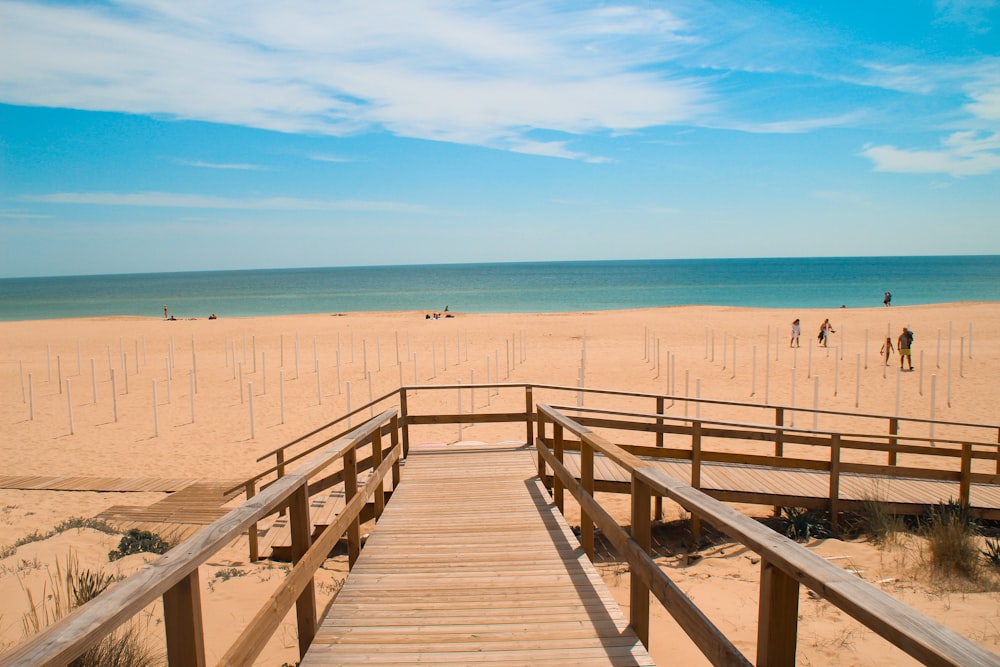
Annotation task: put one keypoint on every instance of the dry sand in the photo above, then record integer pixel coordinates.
(211, 436)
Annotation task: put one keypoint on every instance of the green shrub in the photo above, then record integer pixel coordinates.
(138, 541)
(992, 551)
(951, 538)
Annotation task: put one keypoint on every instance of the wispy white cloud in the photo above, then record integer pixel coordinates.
(331, 158)
(212, 165)
(183, 200)
(960, 154)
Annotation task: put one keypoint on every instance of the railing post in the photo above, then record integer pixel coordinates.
(587, 481)
(779, 441)
(695, 479)
(280, 460)
(350, 459)
(182, 621)
(834, 479)
(394, 439)
(777, 617)
(405, 422)
(541, 460)
(376, 462)
(301, 529)
(251, 491)
(660, 409)
(528, 408)
(641, 533)
(965, 485)
(893, 440)
(557, 484)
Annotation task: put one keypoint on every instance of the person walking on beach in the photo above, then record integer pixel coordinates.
(165, 313)
(887, 299)
(796, 331)
(886, 350)
(904, 344)
(825, 330)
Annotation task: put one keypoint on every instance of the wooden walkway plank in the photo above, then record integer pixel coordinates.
(472, 564)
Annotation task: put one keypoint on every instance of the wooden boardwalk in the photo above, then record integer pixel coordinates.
(100, 484)
(472, 563)
(755, 484)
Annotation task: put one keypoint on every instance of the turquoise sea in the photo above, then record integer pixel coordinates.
(529, 287)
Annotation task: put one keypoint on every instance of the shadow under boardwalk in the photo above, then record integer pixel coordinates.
(472, 563)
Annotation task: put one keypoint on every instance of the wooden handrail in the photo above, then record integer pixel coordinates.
(171, 576)
(913, 632)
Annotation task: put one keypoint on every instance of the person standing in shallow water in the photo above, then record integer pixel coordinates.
(904, 344)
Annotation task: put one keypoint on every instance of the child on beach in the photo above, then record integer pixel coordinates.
(886, 350)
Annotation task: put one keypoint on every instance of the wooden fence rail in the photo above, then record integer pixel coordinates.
(174, 576)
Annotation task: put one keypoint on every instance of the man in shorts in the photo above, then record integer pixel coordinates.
(905, 342)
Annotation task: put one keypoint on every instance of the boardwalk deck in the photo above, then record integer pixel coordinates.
(732, 482)
(100, 484)
(472, 563)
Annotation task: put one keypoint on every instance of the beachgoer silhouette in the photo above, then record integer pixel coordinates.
(887, 299)
(165, 312)
(904, 344)
(796, 332)
(825, 330)
(886, 350)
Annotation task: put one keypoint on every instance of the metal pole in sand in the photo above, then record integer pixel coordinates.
(949, 364)
(144, 362)
(753, 373)
(156, 416)
(319, 387)
(938, 363)
(59, 373)
(397, 350)
(169, 382)
(687, 392)
(488, 391)
(114, 395)
(136, 359)
(281, 393)
(93, 381)
(816, 403)
(734, 359)
(706, 342)
(253, 435)
(364, 357)
(857, 384)
(836, 372)
(31, 400)
(78, 371)
(233, 349)
(263, 368)
(315, 351)
(407, 344)
(242, 400)
(399, 366)
(296, 356)
(192, 396)
(253, 351)
(767, 374)
(69, 405)
(125, 372)
(961, 358)
(673, 377)
(809, 368)
(194, 366)
(843, 341)
(921, 372)
(281, 351)
(338, 372)
(496, 366)
(657, 359)
(712, 358)
(245, 347)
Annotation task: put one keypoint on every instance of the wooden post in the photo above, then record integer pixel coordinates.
(695, 480)
(777, 617)
(587, 481)
(406, 426)
(964, 484)
(301, 530)
(834, 478)
(183, 624)
(641, 531)
(539, 443)
(394, 440)
(251, 491)
(528, 407)
(376, 462)
(351, 490)
(557, 484)
(893, 440)
(658, 501)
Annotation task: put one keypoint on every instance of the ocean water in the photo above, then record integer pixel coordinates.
(529, 287)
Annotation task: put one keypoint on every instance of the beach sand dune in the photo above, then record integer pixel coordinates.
(59, 417)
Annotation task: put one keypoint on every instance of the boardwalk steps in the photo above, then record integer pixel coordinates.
(472, 563)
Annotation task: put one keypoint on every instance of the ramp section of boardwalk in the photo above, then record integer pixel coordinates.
(472, 563)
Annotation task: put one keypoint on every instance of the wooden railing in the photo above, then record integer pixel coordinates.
(174, 576)
(785, 565)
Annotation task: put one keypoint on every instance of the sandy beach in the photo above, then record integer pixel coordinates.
(61, 415)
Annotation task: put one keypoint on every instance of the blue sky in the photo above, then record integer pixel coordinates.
(172, 135)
